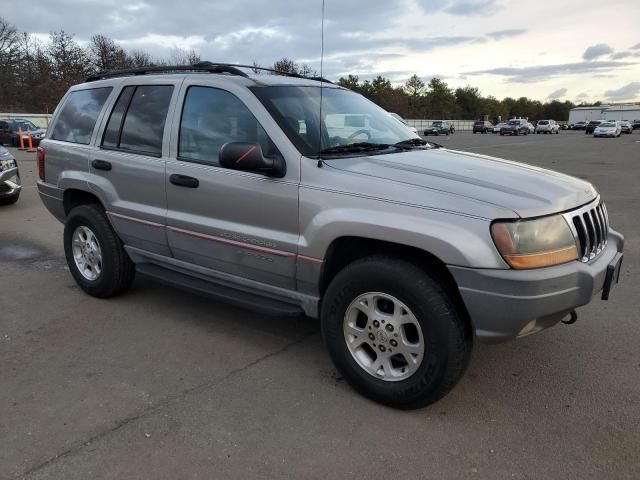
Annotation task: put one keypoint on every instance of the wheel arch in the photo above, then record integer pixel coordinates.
(74, 197)
(345, 250)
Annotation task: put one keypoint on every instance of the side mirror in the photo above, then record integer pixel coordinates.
(249, 157)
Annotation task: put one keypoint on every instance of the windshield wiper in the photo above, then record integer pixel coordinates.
(416, 142)
(355, 147)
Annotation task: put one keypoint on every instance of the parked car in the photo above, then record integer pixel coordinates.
(438, 128)
(405, 250)
(592, 125)
(482, 127)
(516, 127)
(547, 126)
(626, 127)
(636, 124)
(10, 184)
(531, 127)
(404, 122)
(579, 126)
(608, 129)
(10, 132)
(565, 126)
(497, 128)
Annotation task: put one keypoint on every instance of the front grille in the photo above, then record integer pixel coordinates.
(590, 226)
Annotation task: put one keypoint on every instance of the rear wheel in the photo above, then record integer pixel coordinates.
(394, 333)
(95, 254)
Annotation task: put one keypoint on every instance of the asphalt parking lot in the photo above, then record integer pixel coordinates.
(164, 384)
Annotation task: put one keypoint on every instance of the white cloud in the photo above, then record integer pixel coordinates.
(596, 51)
(557, 94)
(629, 92)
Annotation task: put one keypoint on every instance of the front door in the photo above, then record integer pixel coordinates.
(241, 223)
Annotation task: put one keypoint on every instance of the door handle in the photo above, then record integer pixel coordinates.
(101, 165)
(184, 181)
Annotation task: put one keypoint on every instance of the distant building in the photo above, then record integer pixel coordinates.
(604, 112)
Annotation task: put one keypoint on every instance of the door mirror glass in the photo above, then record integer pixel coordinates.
(248, 157)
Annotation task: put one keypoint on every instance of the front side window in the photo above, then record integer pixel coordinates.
(212, 117)
(79, 114)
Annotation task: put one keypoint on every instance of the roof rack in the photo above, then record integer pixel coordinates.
(205, 67)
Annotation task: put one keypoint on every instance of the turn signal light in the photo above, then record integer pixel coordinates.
(40, 162)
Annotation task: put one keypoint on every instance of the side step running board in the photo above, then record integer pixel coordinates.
(236, 297)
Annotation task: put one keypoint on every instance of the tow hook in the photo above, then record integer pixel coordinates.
(573, 318)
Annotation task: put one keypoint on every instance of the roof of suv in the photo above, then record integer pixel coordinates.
(265, 76)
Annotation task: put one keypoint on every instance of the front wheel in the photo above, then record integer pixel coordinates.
(394, 333)
(95, 255)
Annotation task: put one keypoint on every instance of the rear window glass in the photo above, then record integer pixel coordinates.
(143, 126)
(111, 136)
(79, 115)
(543, 122)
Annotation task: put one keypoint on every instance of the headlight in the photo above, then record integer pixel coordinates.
(535, 243)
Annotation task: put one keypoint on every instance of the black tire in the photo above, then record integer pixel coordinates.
(447, 336)
(118, 271)
(9, 199)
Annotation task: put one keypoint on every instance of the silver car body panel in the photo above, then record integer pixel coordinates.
(271, 235)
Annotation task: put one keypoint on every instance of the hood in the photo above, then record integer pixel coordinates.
(5, 154)
(526, 190)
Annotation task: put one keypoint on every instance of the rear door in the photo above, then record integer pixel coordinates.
(128, 164)
(241, 223)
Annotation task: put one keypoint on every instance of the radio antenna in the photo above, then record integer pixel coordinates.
(321, 76)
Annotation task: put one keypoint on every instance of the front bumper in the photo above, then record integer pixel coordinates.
(501, 302)
(10, 183)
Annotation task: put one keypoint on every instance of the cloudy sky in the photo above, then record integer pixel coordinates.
(566, 49)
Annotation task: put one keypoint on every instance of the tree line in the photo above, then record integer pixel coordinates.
(34, 75)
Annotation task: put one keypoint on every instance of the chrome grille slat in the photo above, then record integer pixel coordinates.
(589, 234)
(598, 230)
(590, 227)
(603, 230)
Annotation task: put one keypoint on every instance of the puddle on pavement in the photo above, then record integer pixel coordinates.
(18, 252)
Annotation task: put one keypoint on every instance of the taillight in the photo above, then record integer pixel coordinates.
(40, 161)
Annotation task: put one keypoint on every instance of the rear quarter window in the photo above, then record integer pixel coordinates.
(79, 114)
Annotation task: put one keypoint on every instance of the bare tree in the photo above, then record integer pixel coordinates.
(9, 62)
(105, 54)
(285, 65)
(140, 59)
(180, 56)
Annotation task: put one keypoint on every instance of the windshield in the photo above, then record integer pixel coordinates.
(24, 124)
(543, 122)
(608, 124)
(436, 124)
(514, 122)
(347, 118)
(399, 118)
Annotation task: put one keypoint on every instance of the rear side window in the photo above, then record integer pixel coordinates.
(138, 118)
(79, 115)
(212, 117)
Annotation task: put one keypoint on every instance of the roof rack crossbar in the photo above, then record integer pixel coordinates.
(206, 67)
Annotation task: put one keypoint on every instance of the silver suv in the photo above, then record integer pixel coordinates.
(547, 126)
(294, 195)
